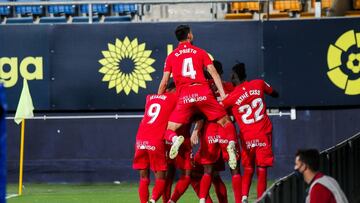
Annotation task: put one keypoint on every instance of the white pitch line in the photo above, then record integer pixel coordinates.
(11, 196)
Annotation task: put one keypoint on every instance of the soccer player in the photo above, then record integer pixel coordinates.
(249, 110)
(150, 146)
(186, 64)
(213, 141)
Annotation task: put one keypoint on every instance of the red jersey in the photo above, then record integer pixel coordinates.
(319, 193)
(228, 88)
(158, 108)
(187, 63)
(248, 106)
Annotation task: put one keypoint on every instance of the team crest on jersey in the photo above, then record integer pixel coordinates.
(343, 59)
(126, 65)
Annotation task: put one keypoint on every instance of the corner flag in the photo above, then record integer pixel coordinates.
(25, 107)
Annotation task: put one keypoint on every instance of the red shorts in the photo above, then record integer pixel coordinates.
(196, 99)
(257, 150)
(184, 158)
(212, 145)
(150, 154)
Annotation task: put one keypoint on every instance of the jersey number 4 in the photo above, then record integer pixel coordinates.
(257, 105)
(188, 68)
(153, 112)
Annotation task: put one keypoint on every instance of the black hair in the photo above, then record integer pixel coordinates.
(311, 157)
(239, 70)
(218, 67)
(182, 32)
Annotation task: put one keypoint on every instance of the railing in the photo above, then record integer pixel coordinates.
(141, 3)
(341, 161)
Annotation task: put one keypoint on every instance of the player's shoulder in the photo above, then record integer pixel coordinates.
(258, 80)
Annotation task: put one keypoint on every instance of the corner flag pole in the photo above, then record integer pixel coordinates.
(24, 110)
(21, 156)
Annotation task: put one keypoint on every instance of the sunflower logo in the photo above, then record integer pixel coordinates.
(343, 60)
(126, 66)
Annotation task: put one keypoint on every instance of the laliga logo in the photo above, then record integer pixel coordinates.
(9, 69)
(343, 60)
(126, 65)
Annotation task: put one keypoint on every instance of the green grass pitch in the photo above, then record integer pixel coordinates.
(97, 193)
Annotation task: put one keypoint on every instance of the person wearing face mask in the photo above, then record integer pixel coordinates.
(322, 188)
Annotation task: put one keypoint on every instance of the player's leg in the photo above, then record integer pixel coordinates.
(220, 188)
(236, 181)
(170, 175)
(196, 176)
(144, 182)
(261, 173)
(159, 186)
(230, 131)
(181, 186)
(248, 162)
(158, 164)
(141, 163)
(264, 158)
(205, 182)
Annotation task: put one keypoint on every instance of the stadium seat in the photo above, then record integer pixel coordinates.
(19, 20)
(124, 8)
(5, 10)
(237, 7)
(287, 5)
(96, 8)
(62, 9)
(28, 10)
(325, 4)
(356, 4)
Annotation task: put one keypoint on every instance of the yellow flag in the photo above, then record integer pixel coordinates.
(25, 107)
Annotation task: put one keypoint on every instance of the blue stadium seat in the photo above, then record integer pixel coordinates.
(96, 8)
(4, 10)
(124, 8)
(62, 9)
(25, 10)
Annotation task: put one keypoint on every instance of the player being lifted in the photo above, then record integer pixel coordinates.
(150, 146)
(249, 110)
(186, 63)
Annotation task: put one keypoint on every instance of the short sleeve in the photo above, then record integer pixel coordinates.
(267, 88)
(206, 59)
(167, 65)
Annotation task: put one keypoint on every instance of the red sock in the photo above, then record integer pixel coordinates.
(195, 183)
(236, 185)
(246, 180)
(205, 185)
(144, 190)
(230, 131)
(181, 186)
(220, 189)
(261, 173)
(158, 189)
(167, 190)
(169, 134)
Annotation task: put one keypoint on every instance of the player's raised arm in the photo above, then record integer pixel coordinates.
(164, 82)
(214, 74)
(270, 90)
